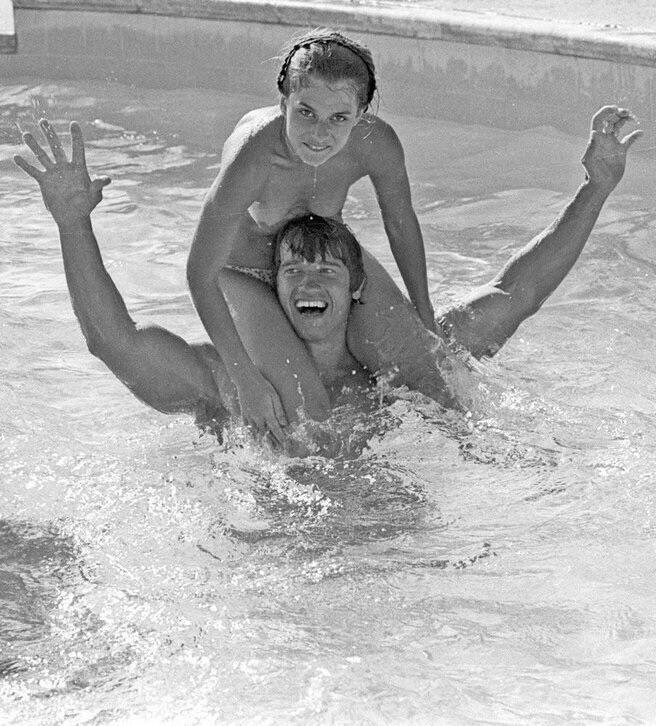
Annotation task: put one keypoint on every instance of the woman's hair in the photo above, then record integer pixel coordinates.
(331, 56)
(312, 237)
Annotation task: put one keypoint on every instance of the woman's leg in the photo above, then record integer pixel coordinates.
(386, 335)
(273, 346)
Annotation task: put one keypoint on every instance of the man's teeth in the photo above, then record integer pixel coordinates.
(311, 305)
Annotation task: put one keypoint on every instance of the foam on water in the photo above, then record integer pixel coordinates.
(490, 566)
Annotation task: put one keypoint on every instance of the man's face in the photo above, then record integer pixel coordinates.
(314, 295)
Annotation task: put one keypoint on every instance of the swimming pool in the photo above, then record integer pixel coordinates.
(496, 567)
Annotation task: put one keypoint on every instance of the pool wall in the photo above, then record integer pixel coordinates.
(7, 28)
(472, 73)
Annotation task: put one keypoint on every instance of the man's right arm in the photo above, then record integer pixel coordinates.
(160, 368)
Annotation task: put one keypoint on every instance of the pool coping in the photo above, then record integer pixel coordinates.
(619, 45)
(7, 27)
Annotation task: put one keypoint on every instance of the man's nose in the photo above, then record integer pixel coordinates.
(310, 280)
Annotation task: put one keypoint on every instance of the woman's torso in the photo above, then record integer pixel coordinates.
(289, 188)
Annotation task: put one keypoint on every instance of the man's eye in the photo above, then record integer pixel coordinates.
(327, 271)
(305, 112)
(339, 118)
(291, 271)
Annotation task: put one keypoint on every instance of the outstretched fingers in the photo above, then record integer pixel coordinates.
(38, 151)
(28, 168)
(53, 141)
(79, 161)
(78, 157)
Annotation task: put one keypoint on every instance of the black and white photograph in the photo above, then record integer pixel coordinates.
(327, 362)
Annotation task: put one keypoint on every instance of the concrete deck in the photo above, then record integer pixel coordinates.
(630, 15)
(623, 32)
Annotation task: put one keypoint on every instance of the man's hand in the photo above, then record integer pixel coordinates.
(68, 192)
(605, 157)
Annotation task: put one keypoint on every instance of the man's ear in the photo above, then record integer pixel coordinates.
(356, 295)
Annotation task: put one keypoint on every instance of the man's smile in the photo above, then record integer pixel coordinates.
(311, 307)
(315, 296)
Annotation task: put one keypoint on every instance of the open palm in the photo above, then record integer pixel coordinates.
(68, 192)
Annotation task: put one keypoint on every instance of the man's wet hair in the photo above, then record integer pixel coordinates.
(314, 237)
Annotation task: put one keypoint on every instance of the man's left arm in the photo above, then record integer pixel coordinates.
(484, 321)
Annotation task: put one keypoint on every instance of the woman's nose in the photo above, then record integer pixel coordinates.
(322, 129)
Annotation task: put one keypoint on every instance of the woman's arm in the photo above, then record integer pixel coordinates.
(390, 179)
(225, 207)
(160, 368)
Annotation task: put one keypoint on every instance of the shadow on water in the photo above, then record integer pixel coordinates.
(35, 561)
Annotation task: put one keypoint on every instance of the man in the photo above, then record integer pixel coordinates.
(319, 274)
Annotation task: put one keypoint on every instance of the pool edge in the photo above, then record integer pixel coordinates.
(7, 28)
(628, 46)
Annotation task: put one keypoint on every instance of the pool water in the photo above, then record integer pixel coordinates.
(494, 566)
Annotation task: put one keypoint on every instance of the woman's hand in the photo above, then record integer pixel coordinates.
(427, 315)
(68, 192)
(261, 408)
(605, 157)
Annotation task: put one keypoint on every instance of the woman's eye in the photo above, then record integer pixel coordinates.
(305, 112)
(339, 118)
(327, 271)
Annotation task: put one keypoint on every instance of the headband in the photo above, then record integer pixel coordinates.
(337, 39)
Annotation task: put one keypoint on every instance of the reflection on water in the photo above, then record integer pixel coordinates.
(490, 566)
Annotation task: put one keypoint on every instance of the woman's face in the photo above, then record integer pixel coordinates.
(319, 118)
